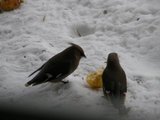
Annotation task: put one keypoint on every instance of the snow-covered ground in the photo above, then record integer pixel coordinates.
(29, 36)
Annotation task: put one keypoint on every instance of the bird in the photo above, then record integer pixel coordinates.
(59, 66)
(114, 77)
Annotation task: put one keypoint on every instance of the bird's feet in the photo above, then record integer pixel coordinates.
(65, 82)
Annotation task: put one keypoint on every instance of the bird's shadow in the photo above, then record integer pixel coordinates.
(118, 102)
(56, 87)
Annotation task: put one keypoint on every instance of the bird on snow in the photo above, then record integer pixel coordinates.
(59, 66)
(114, 77)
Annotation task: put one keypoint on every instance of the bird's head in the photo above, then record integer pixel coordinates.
(79, 49)
(113, 60)
(113, 57)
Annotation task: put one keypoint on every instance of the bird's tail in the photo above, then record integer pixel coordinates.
(29, 83)
(38, 79)
(32, 81)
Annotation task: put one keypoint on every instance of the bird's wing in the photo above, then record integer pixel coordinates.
(52, 71)
(37, 70)
(107, 84)
(124, 82)
(60, 70)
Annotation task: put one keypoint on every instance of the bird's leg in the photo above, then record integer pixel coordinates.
(65, 82)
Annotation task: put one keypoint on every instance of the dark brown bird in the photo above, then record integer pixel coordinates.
(59, 66)
(114, 77)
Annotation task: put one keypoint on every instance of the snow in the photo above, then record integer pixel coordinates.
(29, 36)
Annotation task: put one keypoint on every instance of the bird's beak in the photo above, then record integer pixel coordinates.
(105, 62)
(84, 56)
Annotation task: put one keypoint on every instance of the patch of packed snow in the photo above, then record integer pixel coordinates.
(29, 36)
